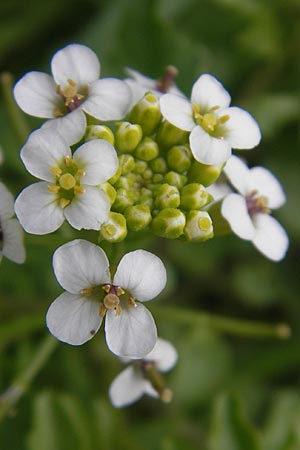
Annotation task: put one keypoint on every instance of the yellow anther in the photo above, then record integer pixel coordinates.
(64, 202)
(209, 121)
(80, 173)
(131, 301)
(78, 189)
(214, 108)
(53, 188)
(71, 82)
(68, 161)
(106, 288)
(56, 170)
(111, 301)
(102, 310)
(67, 181)
(120, 291)
(58, 113)
(118, 310)
(224, 119)
(204, 223)
(86, 292)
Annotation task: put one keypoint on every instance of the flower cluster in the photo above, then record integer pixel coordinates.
(118, 156)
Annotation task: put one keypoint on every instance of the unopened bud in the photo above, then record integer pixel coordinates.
(146, 113)
(204, 174)
(138, 217)
(179, 158)
(127, 163)
(124, 198)
(198, 226)
(147, 149)
(175, 179)
(146, 197)
(169, 223)
(99, 132)
(168, 135)
(166, 196)
(109, 190)
(127, 136)
(140, 166)
(193, 196)
(159, 165)
(114, 229)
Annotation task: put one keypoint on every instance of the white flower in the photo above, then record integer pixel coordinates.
(11, 233)
(215, 127)
(73, 89)
(76, 315)
(70, 188)
(135, 381)
(140, 84)
(248, 211)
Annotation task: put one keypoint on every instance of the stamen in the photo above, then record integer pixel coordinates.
(86, 292)
(224, 119)
(56, 170)
(131, 302)
(120, 291)
(64, 202)
(68, 161)
(102, 310)
(118, 310)
(53, 188)
(106, 288)
(78, 190)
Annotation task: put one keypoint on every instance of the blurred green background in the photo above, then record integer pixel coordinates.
(231, 392)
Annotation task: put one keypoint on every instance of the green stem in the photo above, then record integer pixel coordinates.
(21, 384)
(223, 324)
(15, 115)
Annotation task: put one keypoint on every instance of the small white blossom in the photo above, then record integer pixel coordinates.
(248, 212)
(73, 88)
(140, 84)
(11, 233)
(135, 381)
(76, 315)
(69, 190)
(215, 127)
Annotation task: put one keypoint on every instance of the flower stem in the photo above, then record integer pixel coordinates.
(239, 327)
(15, 115)
(20, 385)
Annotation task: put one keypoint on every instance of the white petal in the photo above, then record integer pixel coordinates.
(75, 62)
(148, 83)
(88, 210)
(71, 127)
(43, 150)
(242, 130)
(133, 333)
(238, 174)
(137, 91)
(98, 159)
(73, 319)
(89, 267)
(208, 149)
(178, 111)
(270, 237)
(267, 185)
(13, 245)
(142, 274)
(234, 210)
(208, 92)
(218, 190)
(6, 202)
(37, 209)
(35, 94)
(164, 354)
(127, 387)
(109, 99)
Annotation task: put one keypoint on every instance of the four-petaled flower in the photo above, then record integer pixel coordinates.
(11, 233)
(215, 127)
(73, 89)
(82, 269)
(248, 212)
(142, 376)
(70, 188)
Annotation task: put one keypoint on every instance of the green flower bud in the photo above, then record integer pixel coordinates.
(146, 197)
(169, 223)
(114, 229)
(123, 199)
(193, 196)
(159, 165)
(138, 217)
(140, 166)
(204, 174)
(127, 136)
(109, 190)
(147, 174)
(146, 113)
(147, 149)
(168, 135)
(99, 132)
(116, 176)
(179, 158)
(124, 182)
(198, 226)
(127, 163)
(175, 179)
(166, 196)
(158, 178)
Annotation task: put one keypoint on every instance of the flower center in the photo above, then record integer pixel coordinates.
(71, 97)
(210, 122)
(67, 183)
(257, 204)
(112, 299)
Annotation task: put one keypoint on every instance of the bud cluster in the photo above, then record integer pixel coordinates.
(158, 183)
